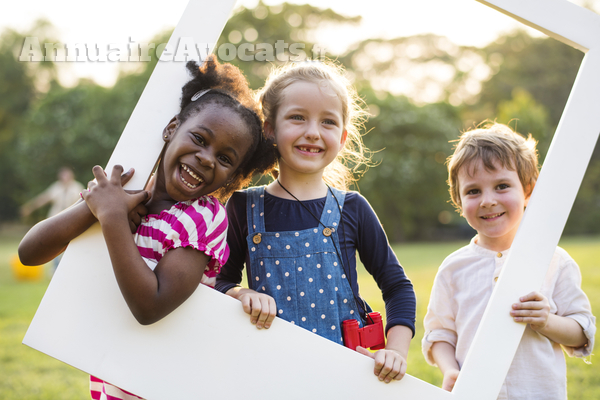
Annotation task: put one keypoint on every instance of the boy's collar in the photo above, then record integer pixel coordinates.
(485, 251)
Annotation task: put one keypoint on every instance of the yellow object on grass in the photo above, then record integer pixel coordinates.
(25, 272)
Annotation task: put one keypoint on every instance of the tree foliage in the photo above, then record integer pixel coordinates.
(421, 91)
(19, 89)
(285, 23)
(545, 68)
(76, 127)
(407, 188)
(427, 68)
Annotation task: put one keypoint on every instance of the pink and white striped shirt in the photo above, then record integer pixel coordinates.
(200, 224)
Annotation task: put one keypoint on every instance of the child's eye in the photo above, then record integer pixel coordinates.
(473, 191)
(503, 186)
(225, 160)
(330, 122)
(199, 139)
(297, 117)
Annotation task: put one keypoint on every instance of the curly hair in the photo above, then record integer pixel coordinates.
(354, 158)
(229, 88)
(493, 143)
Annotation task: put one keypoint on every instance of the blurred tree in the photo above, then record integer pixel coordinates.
(425, 68)
(20, 84)
(585, 214)
(76, 127)
(408, 187)
(527, 116)
(273, 35)
(544, 67)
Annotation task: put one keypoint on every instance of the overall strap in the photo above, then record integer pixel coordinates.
(255, 209)
(332, 216)
(332, 211)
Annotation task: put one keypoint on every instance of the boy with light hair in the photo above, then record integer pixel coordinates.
(492, 174)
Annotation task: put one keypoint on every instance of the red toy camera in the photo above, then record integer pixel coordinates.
(370, 336)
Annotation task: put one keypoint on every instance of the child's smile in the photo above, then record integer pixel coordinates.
(309, 149)
(491, 217)
(492, 202)
(189, 177)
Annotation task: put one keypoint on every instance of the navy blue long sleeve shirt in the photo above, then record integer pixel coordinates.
(360, 231)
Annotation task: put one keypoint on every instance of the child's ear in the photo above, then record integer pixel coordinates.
(344, 137)
(170, 129)
(528, 192)
(269, 130)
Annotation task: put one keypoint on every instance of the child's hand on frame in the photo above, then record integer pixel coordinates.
(533, 309)
(389, 364)
(135, 215)
(450, 378)
(106, 196)
(261, 307)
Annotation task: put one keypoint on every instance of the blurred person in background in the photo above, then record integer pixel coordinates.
(61, 194)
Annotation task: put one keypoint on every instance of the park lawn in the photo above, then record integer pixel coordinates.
(27, 374)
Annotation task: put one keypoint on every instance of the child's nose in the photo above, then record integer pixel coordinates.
(206, 159)
(488, 200)
(312, 131)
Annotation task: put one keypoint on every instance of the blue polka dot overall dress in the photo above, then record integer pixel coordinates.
(301, 269)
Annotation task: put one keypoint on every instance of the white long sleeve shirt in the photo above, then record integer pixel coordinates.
(460, 294)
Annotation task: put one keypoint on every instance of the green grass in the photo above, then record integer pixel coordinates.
(27, 374)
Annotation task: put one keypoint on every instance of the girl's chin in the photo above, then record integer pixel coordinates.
(184, 193)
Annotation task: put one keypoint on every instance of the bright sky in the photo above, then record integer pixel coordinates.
(464, 22)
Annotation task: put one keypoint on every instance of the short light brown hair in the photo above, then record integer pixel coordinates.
(493, 143)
